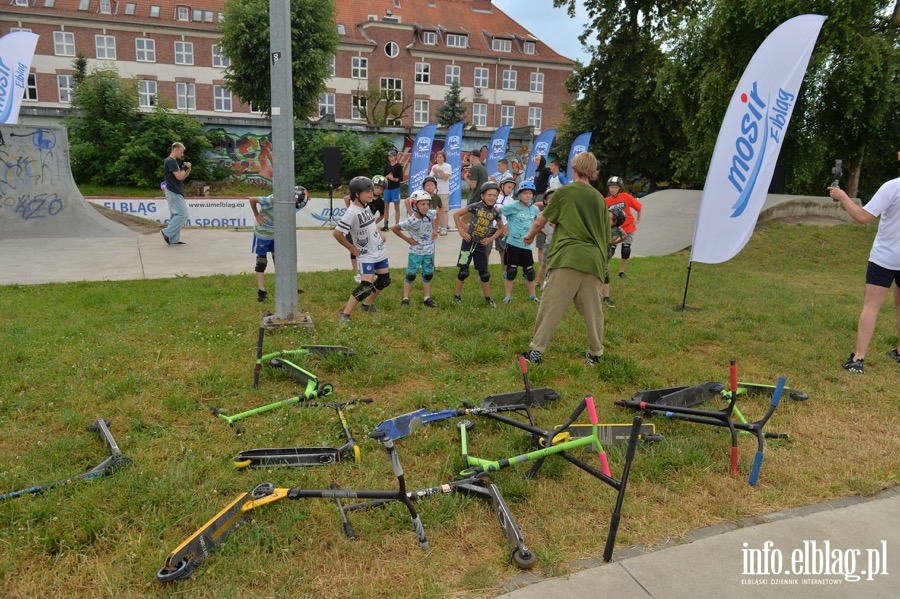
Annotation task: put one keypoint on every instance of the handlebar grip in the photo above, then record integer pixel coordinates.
(754, 473)
(779, 389)
(523, 365)
(592, 410)
(732, 371)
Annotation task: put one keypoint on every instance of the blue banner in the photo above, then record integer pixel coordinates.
(420, 160)
(541, 147)
(453, 149)
(580, 145)
(496, 150)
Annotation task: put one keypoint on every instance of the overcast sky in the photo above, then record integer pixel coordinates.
(550, 25)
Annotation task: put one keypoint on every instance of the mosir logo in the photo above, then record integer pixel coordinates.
(12, 85)
(541, 148)
(453, 143)
(424, 144)
(578, 150)
(812, 563)
(498, 147)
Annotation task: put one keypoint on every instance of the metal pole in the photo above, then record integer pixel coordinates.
(283, 161)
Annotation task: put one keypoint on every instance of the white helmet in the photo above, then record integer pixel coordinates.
(420, 195)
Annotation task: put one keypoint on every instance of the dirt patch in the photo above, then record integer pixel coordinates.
(137, 224)
(821, 221)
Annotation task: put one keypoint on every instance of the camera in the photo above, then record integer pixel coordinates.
(836, 172)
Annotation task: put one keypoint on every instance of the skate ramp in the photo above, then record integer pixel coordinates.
(38, 197)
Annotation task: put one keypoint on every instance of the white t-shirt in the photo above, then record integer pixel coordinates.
(359, 223)
(443, 185)
(886, 203)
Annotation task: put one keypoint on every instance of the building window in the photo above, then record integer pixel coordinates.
(479, 115)
(20, 3)
(218, 59)
(31, 88)
(509, 80)
(49, 3)
(184, 53)
(84, 5)
(391, 49)
(130, 8)
(423, 72)
(507, 115)
(534, 116)
(500, 45)
(154, 11)
(146, 93)
(481, 77)
(528, 47)
(326, 104)
(106, 47)
(359, 67)
(455, 40)
(341, 29)
(358, 108)
(332, 69)
(392, 88)
(105, 7)
(537, 82)
(182, 13)
(221, 98)
(429, 38)
(451, 74)
(65, 83)
(421, 111)
(145, 50)
(64, 43)
(186, 96)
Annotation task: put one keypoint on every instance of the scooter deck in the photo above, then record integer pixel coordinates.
(616, 434)
(683, 397)
(287, 456)
(539, 397)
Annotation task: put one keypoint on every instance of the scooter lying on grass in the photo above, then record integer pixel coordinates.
(116, 461)
(305, 456)
(279, 359)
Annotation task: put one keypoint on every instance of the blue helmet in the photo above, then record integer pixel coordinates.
(527, 184)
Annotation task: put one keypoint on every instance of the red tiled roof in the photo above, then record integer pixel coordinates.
(69, 9)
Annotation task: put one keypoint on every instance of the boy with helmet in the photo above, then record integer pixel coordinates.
(617, 236)
(429, 185)
(485, 225)
(506, 196)
(358, 232)
(627, 202)
(264, 234)
(376, 206)
(519, 217)
(419, 231)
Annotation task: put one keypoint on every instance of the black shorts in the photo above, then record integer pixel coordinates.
(473, 251)
(516, 256)
(881, 276)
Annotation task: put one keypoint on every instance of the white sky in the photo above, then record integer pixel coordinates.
(550, 25)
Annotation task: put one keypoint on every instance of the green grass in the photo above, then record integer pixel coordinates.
(154, 356)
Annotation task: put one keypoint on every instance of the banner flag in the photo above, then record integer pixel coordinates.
(16, 53)
(750, 139)
(496, 150)
(541, 147)
(420, 161)
(453, 150)
(580, 145)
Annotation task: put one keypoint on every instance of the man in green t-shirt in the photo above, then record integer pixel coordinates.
(576, 259)
(475, 176)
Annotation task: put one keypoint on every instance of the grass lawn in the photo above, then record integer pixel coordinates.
(153, 356)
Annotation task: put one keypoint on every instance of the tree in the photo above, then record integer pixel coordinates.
(451, 111)
(245, 41)
(383, 107)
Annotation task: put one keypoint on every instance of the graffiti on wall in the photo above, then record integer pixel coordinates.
(247, 156)
(28, 160)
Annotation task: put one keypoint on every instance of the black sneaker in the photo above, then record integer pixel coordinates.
(261, 295)
(430, 303)
(164, 237)
(592, 359)
(343, 317)
(853, 365)
(533, 356)
(368, 308)
(385, 227)
(621, 275)
(457, 299)
(607, 301)
(893, 355)
(490, 301)
(404, 301)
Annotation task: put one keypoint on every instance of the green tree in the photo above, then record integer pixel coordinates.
(245, 40)
(104, 107)
(451, 111)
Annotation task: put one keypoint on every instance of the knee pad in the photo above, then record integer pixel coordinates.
(484, 276)
(626, 251)
(463, 273)
(363, 290)
(410, 277)
(529, 274)
(382, 280)
(261, 263)
(510, 273)
(610, 251)
(427, 276)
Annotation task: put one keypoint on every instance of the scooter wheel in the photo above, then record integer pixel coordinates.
(182, 569)
(524, 559)
(465, 423)
(326, 389)
(798, 395)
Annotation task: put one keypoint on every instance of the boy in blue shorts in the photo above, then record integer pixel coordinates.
(485, 226)
(264, 234)
(358, 232)
(421, 235)
(520, 216)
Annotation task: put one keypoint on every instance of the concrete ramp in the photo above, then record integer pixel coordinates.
(669, 217)
(38, 197)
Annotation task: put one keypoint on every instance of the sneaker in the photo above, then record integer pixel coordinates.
(343, 317)
(507, 300)
(592, 359)
(164, 237)
(534, 299)
(430, 303)
(457, 299)
(608, 302)
(442, 231)
(261, 295)
(404, 301)
(385, 227)
(893, 355)
(357, 278)
(853, 365)
(490, 301)
(367, 308)
(621, 275)
(533, 356)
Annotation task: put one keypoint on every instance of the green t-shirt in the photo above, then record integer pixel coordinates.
(478, 174)
(582, 230)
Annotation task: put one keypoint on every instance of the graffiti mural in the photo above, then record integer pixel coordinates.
(27, 161)
(247, 156)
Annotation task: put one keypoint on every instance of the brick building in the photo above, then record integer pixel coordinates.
(410, 50)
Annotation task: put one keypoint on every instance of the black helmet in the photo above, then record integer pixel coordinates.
(618, 216)
(429, 178)
(488, 186)
(359, 185)
(300, 197)
(617, 181)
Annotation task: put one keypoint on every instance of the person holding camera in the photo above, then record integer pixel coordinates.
(175, 174)
(884, 263)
